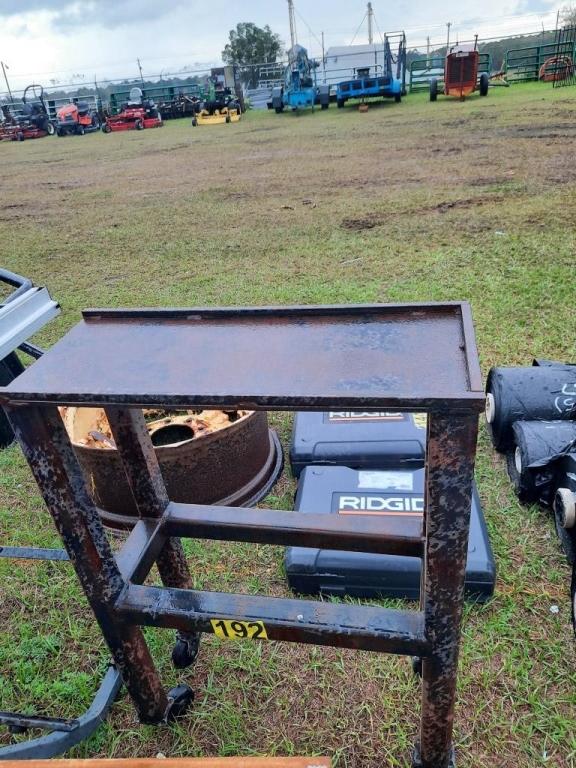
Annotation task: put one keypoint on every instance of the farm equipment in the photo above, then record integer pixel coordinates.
(461, 74)
(556, 69)
(32, 120)
(214, 115)
(378, 81)
(219, 107)
(77, 118)
(138, 113)
(300, 89)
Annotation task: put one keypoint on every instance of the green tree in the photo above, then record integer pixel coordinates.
(249, 45)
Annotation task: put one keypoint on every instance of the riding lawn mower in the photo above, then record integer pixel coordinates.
(219, 107)
(32, 121)
(138, 113)
(77, 119)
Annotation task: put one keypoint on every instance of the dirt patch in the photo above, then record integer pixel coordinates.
(447, 150)
(489, 181)
(468, 203)
(370, 221)
(19, 211)
(175, 148)
(555, 131)
(565, 175)
(456, 123)
(236, 196)
(74, 184)
(373, 220)
(263, 129)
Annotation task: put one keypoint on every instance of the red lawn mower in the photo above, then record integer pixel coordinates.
(77, 119)
(138, 113)
(32, 120)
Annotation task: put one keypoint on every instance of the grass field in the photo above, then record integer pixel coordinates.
(408, 202)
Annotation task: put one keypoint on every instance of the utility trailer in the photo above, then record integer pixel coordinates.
(378, 81)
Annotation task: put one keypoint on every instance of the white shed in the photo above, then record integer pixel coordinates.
(342, 62)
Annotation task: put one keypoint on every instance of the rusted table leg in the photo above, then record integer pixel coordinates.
(450, 472)
(133, 442)
(47, 448)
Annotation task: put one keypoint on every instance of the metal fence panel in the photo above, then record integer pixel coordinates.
(562, 71)
(524, 64)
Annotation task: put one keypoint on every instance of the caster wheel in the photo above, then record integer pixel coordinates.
(564, 517)
(179, 699)
(185, 651)
(16, 730)
(416, 665)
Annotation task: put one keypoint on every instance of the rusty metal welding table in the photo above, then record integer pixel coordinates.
(390, 357)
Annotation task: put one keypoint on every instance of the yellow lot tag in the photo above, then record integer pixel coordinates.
(239, 630)
(420, 420)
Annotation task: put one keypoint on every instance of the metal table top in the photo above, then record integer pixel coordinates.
(414, 356)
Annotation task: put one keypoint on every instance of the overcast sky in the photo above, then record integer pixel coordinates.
(58, 39)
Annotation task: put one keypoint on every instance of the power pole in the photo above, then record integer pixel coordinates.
(448, 40)
(323, 57)
(4, 68)
(428, 51)
(293, 35)
(140, 68)
(370, 24)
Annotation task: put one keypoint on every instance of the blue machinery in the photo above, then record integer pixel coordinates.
(379, 81)
(300, 89)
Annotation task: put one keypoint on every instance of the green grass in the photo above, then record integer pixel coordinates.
(405, 203)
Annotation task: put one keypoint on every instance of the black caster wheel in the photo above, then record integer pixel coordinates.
(179, 699)
(16, 730)
(416, 662)
(185, 651)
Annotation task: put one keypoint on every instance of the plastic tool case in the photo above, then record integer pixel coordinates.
(358, 439)
(392, 493)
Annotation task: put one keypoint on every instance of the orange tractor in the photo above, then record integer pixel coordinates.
(77, 119)
(461, 76)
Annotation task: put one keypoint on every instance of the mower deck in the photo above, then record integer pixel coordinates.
(218, 118)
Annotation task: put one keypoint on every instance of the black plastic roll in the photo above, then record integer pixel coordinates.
(534, 457)
(540, 392)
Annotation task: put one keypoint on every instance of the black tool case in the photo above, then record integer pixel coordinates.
(345, 491)
(358, 439)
